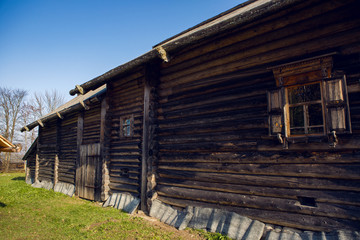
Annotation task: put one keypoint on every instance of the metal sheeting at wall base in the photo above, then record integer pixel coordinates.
(29, 180)
(228, 223)
(65, 188)
(169, 215)
(43, 184)
(290, 235)
(236, 226)
(123, 201)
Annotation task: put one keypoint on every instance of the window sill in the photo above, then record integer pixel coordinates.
(308, 139)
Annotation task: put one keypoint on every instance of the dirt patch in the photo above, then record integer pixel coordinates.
(183, 234)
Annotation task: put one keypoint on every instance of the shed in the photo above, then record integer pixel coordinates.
(68, 147)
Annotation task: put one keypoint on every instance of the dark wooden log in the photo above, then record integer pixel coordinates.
(264, 203)
(291, 220)
(323, 196)
(269, 181)
(333, 171)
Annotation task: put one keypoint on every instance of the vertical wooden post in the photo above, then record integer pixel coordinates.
(80, 127)
(149, 117)
(57, 151)
(145, 146)
(37, 156)
(36, 168)
(105, 178)
(56, 169)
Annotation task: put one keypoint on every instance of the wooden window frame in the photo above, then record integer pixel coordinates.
(334, 97)
(131, 125)
(306, 113)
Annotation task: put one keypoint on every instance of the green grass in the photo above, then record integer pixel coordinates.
(31, 213)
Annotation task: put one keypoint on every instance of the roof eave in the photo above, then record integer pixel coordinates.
(64, 111)
(180, 42)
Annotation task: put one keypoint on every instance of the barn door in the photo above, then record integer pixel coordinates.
(89, 177)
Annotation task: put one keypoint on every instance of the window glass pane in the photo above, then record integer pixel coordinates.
(304, 93)
(296, 116)
(296, 95)
(297, 131)
(315, 115)
(312, 92)
(126, 127)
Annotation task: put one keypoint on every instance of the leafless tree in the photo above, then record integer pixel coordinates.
(28, 114)
(47, 102)
(11, 101)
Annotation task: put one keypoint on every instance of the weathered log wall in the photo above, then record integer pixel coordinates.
(91, 129)
(67, 158)
(214, 148)
(30, 166)
(47, 140)
(126, 100)
(59, 137)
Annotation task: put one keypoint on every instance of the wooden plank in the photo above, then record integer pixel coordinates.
(333, 171)
(260, 180)
(246, 157)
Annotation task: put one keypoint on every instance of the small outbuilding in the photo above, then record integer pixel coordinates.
(69, 145)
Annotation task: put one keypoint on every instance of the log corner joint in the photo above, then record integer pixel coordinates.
(163, 54)
(84, 105)
(59, 115)
(25, 128)
(40, 123)
(80, 89)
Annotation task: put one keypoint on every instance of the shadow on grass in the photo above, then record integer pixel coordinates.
(18, 179)
(2, 204)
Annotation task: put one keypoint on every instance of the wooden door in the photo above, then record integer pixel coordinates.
(89, 177)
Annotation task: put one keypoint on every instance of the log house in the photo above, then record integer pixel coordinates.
(256, 111)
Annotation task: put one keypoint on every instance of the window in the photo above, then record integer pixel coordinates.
(304, 107)
(311, 100)
(127, 126)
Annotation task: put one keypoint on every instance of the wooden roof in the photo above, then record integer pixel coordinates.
(7, 146)
(73, 105)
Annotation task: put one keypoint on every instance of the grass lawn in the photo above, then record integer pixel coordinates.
(32, 213)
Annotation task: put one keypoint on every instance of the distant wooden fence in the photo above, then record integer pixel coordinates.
(18, 166)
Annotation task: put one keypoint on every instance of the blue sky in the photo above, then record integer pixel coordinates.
(55, 44)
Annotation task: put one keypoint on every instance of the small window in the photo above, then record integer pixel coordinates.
(126, 126)
(305, 110)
